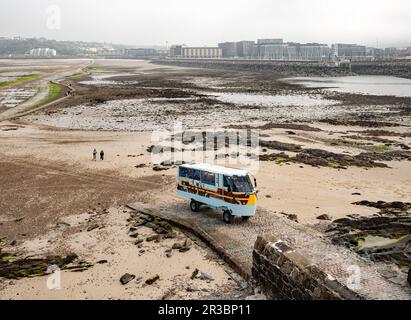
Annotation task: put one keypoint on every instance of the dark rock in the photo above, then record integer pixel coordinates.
(13, 243)
(324, 217)
(292, 217)
(205, 277)
(160, 168)
(177, 246)
(153, 279)
(102, 261)
(155, 237)
(151, 225)
(127, 278)
(281, 146)
(134, 234)
(170, 235)
(194, 274)
(193, 288)
(138, 241)
(161, 230)
(184, 249)
(409, 276)
(92, 227)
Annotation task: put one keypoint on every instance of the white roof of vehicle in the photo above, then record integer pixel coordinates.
(216, 169)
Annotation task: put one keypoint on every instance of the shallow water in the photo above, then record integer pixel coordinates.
(273, 100)
(375, 241)
(372, 85)
(10, 98)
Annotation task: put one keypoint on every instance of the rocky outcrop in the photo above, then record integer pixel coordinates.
(285, 274)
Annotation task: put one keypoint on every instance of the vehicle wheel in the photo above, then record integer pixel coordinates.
(194, 206)
(245, 218)
(228, 217)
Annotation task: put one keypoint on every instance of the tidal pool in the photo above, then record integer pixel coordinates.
(371, 85)
(273, 100)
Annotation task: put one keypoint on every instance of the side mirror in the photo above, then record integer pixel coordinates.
(255, 182)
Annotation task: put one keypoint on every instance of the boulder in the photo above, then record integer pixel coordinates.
(134, 234)
(177, 246)
(155, 237)
(151, 225)
(184, 249)
(170, 235)
(153, 279)
(293, 217)
(194, 274)
(126, 278)
(138, 241)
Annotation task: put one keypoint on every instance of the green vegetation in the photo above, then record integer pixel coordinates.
(19, 80)
(76, 75)
(366, 241)
(280, 160)
(54, 93)
(94, 66)
(378, 148)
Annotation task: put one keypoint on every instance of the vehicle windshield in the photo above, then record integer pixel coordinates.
(239, 183)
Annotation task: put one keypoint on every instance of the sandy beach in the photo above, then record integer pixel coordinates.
(320, 153)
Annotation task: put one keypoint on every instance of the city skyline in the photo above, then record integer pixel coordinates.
(382, 24)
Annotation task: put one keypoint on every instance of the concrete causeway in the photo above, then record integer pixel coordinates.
(238, 242)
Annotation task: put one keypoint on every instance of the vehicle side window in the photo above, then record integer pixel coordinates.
(208, 178)
(183, 172)
(228, 184)
(195, 174)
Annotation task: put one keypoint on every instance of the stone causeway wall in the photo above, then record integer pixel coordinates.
(283, 273)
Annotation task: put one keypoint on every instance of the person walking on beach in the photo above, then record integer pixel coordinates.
(94, 155)
(102, 155)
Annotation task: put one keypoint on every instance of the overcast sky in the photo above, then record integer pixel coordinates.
(193, 22)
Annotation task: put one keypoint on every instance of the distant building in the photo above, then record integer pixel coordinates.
(228, 49)
(349, 51)
(314, 52)
(274, 49)
(375, 53)
(245, 49)
(269, 41)
(43, 52)
(140, 52)
(240, 49)
(276, 52)
(196, 52)
(176, 51)
(391, 53)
